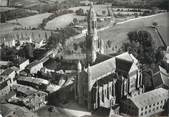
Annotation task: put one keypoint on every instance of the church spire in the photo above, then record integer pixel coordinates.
(91, 37)
(92, 20)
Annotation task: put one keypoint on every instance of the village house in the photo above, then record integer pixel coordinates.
(35, 101)
(34, 67)
(28, 97)
(22, 63)
(7, 79)
(37, 83)
(146, 104)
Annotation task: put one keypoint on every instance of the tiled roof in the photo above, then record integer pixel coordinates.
(7, 72)
(25, 89)
(150, 98)
(37, 81)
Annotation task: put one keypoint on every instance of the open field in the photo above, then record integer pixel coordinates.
(98, 8)
(62, 21)
(4, 9)
(32, 21)
(7, 27)
(118, 33)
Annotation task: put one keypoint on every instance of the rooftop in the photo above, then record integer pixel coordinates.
(7, 72)
(37, 81)
(33, 64)
(4, 63)
(164, 76)
(25, 89)
(150, 98)
(20, 60)
(108, 66)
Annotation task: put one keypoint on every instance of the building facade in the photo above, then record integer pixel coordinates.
(34, 67)
(103, 85)
(106, 80)
(146, 104)
(7, 80)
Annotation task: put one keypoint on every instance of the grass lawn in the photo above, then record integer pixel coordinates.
(98, 8)
(32, 21)
(118, 33)
(62, 21)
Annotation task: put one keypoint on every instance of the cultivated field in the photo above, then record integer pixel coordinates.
(98, 8)
(32, 21)
(7, 27)
(62, 21)
(118, 33)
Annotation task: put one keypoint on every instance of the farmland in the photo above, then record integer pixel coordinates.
(62, 21)
(31, 21)
(98, 8)
(118, 33)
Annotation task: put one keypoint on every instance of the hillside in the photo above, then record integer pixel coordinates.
(118, 34)
(31, 21)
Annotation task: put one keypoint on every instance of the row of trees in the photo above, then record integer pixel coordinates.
(11, 53)
(60, 37)
(142, 46)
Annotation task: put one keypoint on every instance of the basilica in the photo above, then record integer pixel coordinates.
(105, 80)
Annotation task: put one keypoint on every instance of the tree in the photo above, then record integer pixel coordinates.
(109, 43)
(142, 45)
(80, 12)
(8, 53)
(75, 46)
(155, 24)
(75, 21)
(103, 12)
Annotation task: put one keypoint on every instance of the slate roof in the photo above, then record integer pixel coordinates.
(99, 70)
(164, 76)
(150, 98)
(108, 67)
(157, 80)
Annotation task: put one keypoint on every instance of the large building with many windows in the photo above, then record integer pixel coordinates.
(146, 104)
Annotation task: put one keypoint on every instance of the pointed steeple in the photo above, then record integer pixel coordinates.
(91, 37)
(79, 67)
(91, 20)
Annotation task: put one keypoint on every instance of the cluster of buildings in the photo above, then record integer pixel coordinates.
(21, 37)
(115, 83)
(98, 81)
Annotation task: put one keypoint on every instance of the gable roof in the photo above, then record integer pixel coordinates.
(36, 62)
(150, 98)
(108, 66)
(7, 72)
(164, 76)
(105, 68)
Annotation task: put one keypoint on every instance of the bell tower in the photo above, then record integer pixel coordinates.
(91, 37)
